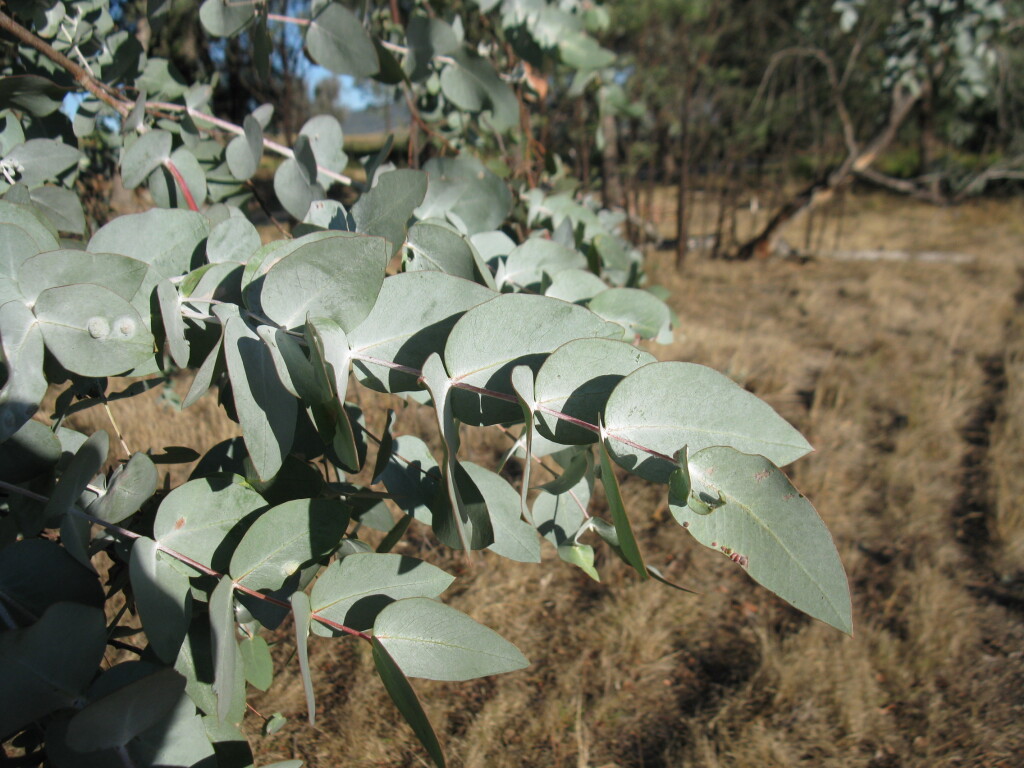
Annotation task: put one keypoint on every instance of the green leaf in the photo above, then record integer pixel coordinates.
(92, 331)
(581, 51)
(120, 274)
(412, 477)
(434, 245)
(463, 187)
(28, 453)
(327, 141)
(21, 340)
(165, 239)
(664, 406)
(166, 189)
(402, 693)
(411, 320)
(83, 468)
(61, 207)
(196, 663)
(293, 367)
(527, 264)
(576, 380)
(285, 539)
(265, 409)
(233, 240)
(33, 223)
(243, 153)
(226, 656)
(162, 598)
(336, 40)
(203, 519)
(48, 665)
(471, 83)
(212, 366)
(465, 523)
(386, 208)
(639, 312)
(523, 384)
(513, 538)
(37, 573)
(627, 542)
(302, 614)
(295, 180)
(337, 277)
(352, 591)
(31, 93)
(482, 353)
(143, 156)
(45, 160)
(428, 639)
(174, 323)
(16, 246)
(129, 488)
(770, 529)
(259, 665)
(225, 18)
(115, 719)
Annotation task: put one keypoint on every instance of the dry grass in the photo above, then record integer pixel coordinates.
(909, 380)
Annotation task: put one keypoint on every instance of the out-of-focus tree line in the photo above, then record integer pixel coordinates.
(778, 104)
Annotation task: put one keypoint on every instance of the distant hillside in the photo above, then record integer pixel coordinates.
(383, 119)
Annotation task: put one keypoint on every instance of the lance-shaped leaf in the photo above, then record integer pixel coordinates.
(21, 340)
(211, 367)
(244, 152)
(203, 519)
(302, 615)
(285, 539)
(482, 353)
(329, 356)
(576, 380)
(769, 528)
(48, 665)
(196, 663)
(664, 406)
(92, 331)
(386, 446)
(143, 156)
(115, 719)
(174, 323)
(162, 597)
(80, 472)
(336, 39)
(624, 530)
(265, 409)
(226, 656)
(353, 590)
(405, 699)
(431, 640)
(411, 320)
(513, 538)
(639, 312)
(465, 523)
(129, 488)
(337, 277)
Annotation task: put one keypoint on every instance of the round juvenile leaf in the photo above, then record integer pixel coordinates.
(411, 320)
(386, 209)
(513, 538)
(482, 353)
(259, 665)
(224, 18)
(234, 239)
(770, 529)
(166, 239)
(130, 489)
(32, 223)
(16, 245)
(143, 156)
(244, 152)
(117, 718)
(577, 380)
(121, 274)
(28, 453)
(336, 39)
(639, 312)
(163, 598)
(21, 340)
(437, 247)
(203, 519)
(92, 331)
(336, 277)
(61, 206)
(353, 590)
(526, 265)
(664, 406)
(166, 188)
(285, 539)
(295, 188)
(48, 665)
(430, 640)
(464, 187)
(37, 573)
(327, 141)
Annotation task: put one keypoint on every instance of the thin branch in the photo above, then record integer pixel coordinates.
(77, 71)
(185, 191)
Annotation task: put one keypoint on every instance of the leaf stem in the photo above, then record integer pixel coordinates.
(185, 191)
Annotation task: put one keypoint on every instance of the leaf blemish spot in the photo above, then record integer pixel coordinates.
(179, 523)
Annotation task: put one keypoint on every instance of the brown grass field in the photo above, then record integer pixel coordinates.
(908, 378)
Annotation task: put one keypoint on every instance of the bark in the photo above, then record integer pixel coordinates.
(612, 192)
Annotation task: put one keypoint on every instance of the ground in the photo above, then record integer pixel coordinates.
(908, 378)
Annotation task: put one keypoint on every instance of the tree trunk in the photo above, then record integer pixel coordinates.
(611, 172)
(682, 230)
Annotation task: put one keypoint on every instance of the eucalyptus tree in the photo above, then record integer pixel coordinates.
(409, 291)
